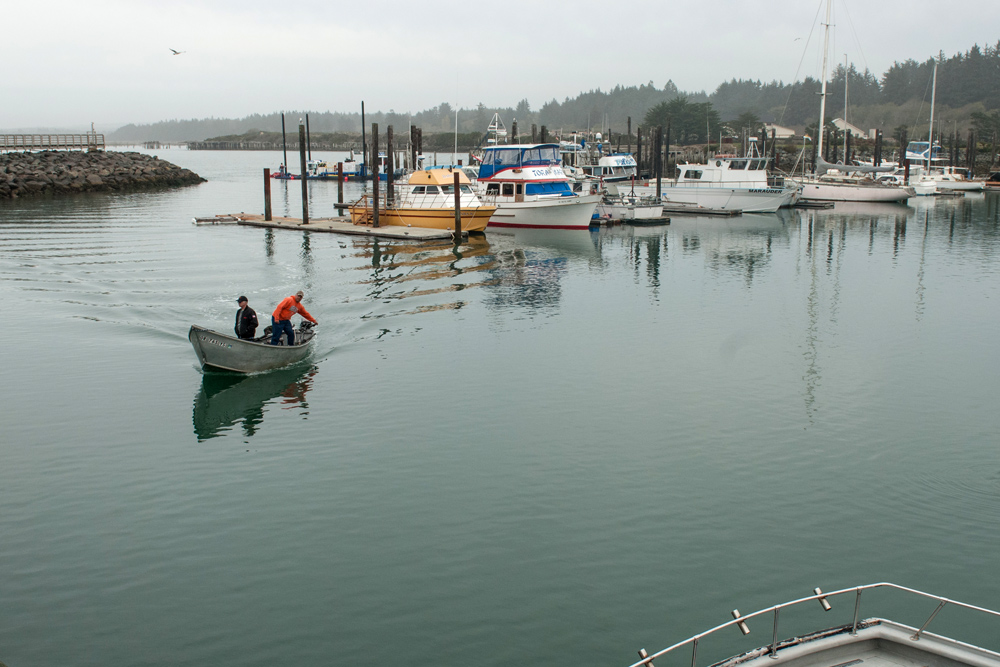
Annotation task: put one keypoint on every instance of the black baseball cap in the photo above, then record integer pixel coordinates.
(242, 298)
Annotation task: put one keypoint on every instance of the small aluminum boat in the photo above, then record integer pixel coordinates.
(874, 642)
(218, 351)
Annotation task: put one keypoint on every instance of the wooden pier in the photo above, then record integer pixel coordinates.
(51, 142)
(329, 225)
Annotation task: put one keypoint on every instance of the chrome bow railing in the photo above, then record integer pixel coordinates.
(740, 620)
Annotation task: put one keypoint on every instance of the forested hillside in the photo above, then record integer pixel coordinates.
(968, 89)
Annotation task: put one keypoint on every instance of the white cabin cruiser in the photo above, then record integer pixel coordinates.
(590, 159)
(730, 182)
(872, 642)
(945, 177)
(531, 190)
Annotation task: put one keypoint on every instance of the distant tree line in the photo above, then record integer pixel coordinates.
(970, 78)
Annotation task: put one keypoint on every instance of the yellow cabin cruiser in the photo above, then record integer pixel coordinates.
(428, 200)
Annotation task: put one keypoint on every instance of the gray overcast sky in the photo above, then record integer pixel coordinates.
(108, 61)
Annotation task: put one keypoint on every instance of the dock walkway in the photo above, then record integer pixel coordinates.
(51, 142)
(330, 225)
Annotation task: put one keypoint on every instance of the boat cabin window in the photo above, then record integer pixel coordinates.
(432, 189)
(693, 174)
(519, 188)
(737, 164)
(419, 189)
(492, 188)
(558, 188)
(448, 189)
(508, 189)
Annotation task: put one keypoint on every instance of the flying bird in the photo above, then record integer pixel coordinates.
(176, 52)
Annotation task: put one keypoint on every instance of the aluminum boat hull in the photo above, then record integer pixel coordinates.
(218, 351)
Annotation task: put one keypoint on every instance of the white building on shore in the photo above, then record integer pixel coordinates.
(855, 131)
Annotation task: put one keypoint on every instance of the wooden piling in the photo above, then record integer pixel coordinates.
(284, 144)
(373, 170)
(658, 160)
(458, 212)
(267, 194)
(847, 146)
(630, 135)
(513, 131)
(902, 157)
(670, 173)
(544, 135)
(638, 151)
(390, 167)
(534, 133)
(364, 140)
(413, 148)
(309, 143)
(304, 178)
(969, 143)
(340, 187)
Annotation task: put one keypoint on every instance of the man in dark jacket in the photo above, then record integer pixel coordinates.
(246, 319)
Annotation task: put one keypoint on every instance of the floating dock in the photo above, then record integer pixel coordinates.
(330, 225)
(647, 222)
(689, 209)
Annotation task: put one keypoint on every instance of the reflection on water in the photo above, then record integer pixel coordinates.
(227, 399)
(401, 270)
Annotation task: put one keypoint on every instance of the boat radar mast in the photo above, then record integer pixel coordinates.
(497, 131)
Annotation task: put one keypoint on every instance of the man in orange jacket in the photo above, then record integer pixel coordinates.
(281, 319)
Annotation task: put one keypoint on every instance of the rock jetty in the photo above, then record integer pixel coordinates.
(62, 172)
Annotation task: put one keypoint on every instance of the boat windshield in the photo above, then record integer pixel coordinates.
(506, 157)
(541, 155)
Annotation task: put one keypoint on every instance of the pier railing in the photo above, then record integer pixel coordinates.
(48, 142)
(740, 621)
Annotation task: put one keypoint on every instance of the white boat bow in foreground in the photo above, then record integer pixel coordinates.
(872, 642)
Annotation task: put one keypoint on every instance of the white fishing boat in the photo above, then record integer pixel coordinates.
(531, 190)
(945, 177)
(326, 170)
(629, 207)
(927, 166)
(727, 182)
(590, 160)
(874, 641)
(732, 183)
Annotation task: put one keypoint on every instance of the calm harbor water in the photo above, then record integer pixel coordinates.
(543, 449)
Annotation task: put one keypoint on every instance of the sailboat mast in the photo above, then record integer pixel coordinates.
(845, 109)
(822, 94)
(930, 132)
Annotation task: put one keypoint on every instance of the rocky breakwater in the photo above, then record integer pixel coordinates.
(62, 172)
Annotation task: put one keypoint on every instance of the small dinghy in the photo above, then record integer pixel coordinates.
(218, 351)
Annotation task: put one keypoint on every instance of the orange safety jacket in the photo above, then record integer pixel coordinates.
(288, 307)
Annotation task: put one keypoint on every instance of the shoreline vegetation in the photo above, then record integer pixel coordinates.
(968, 97)
(67, 172)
